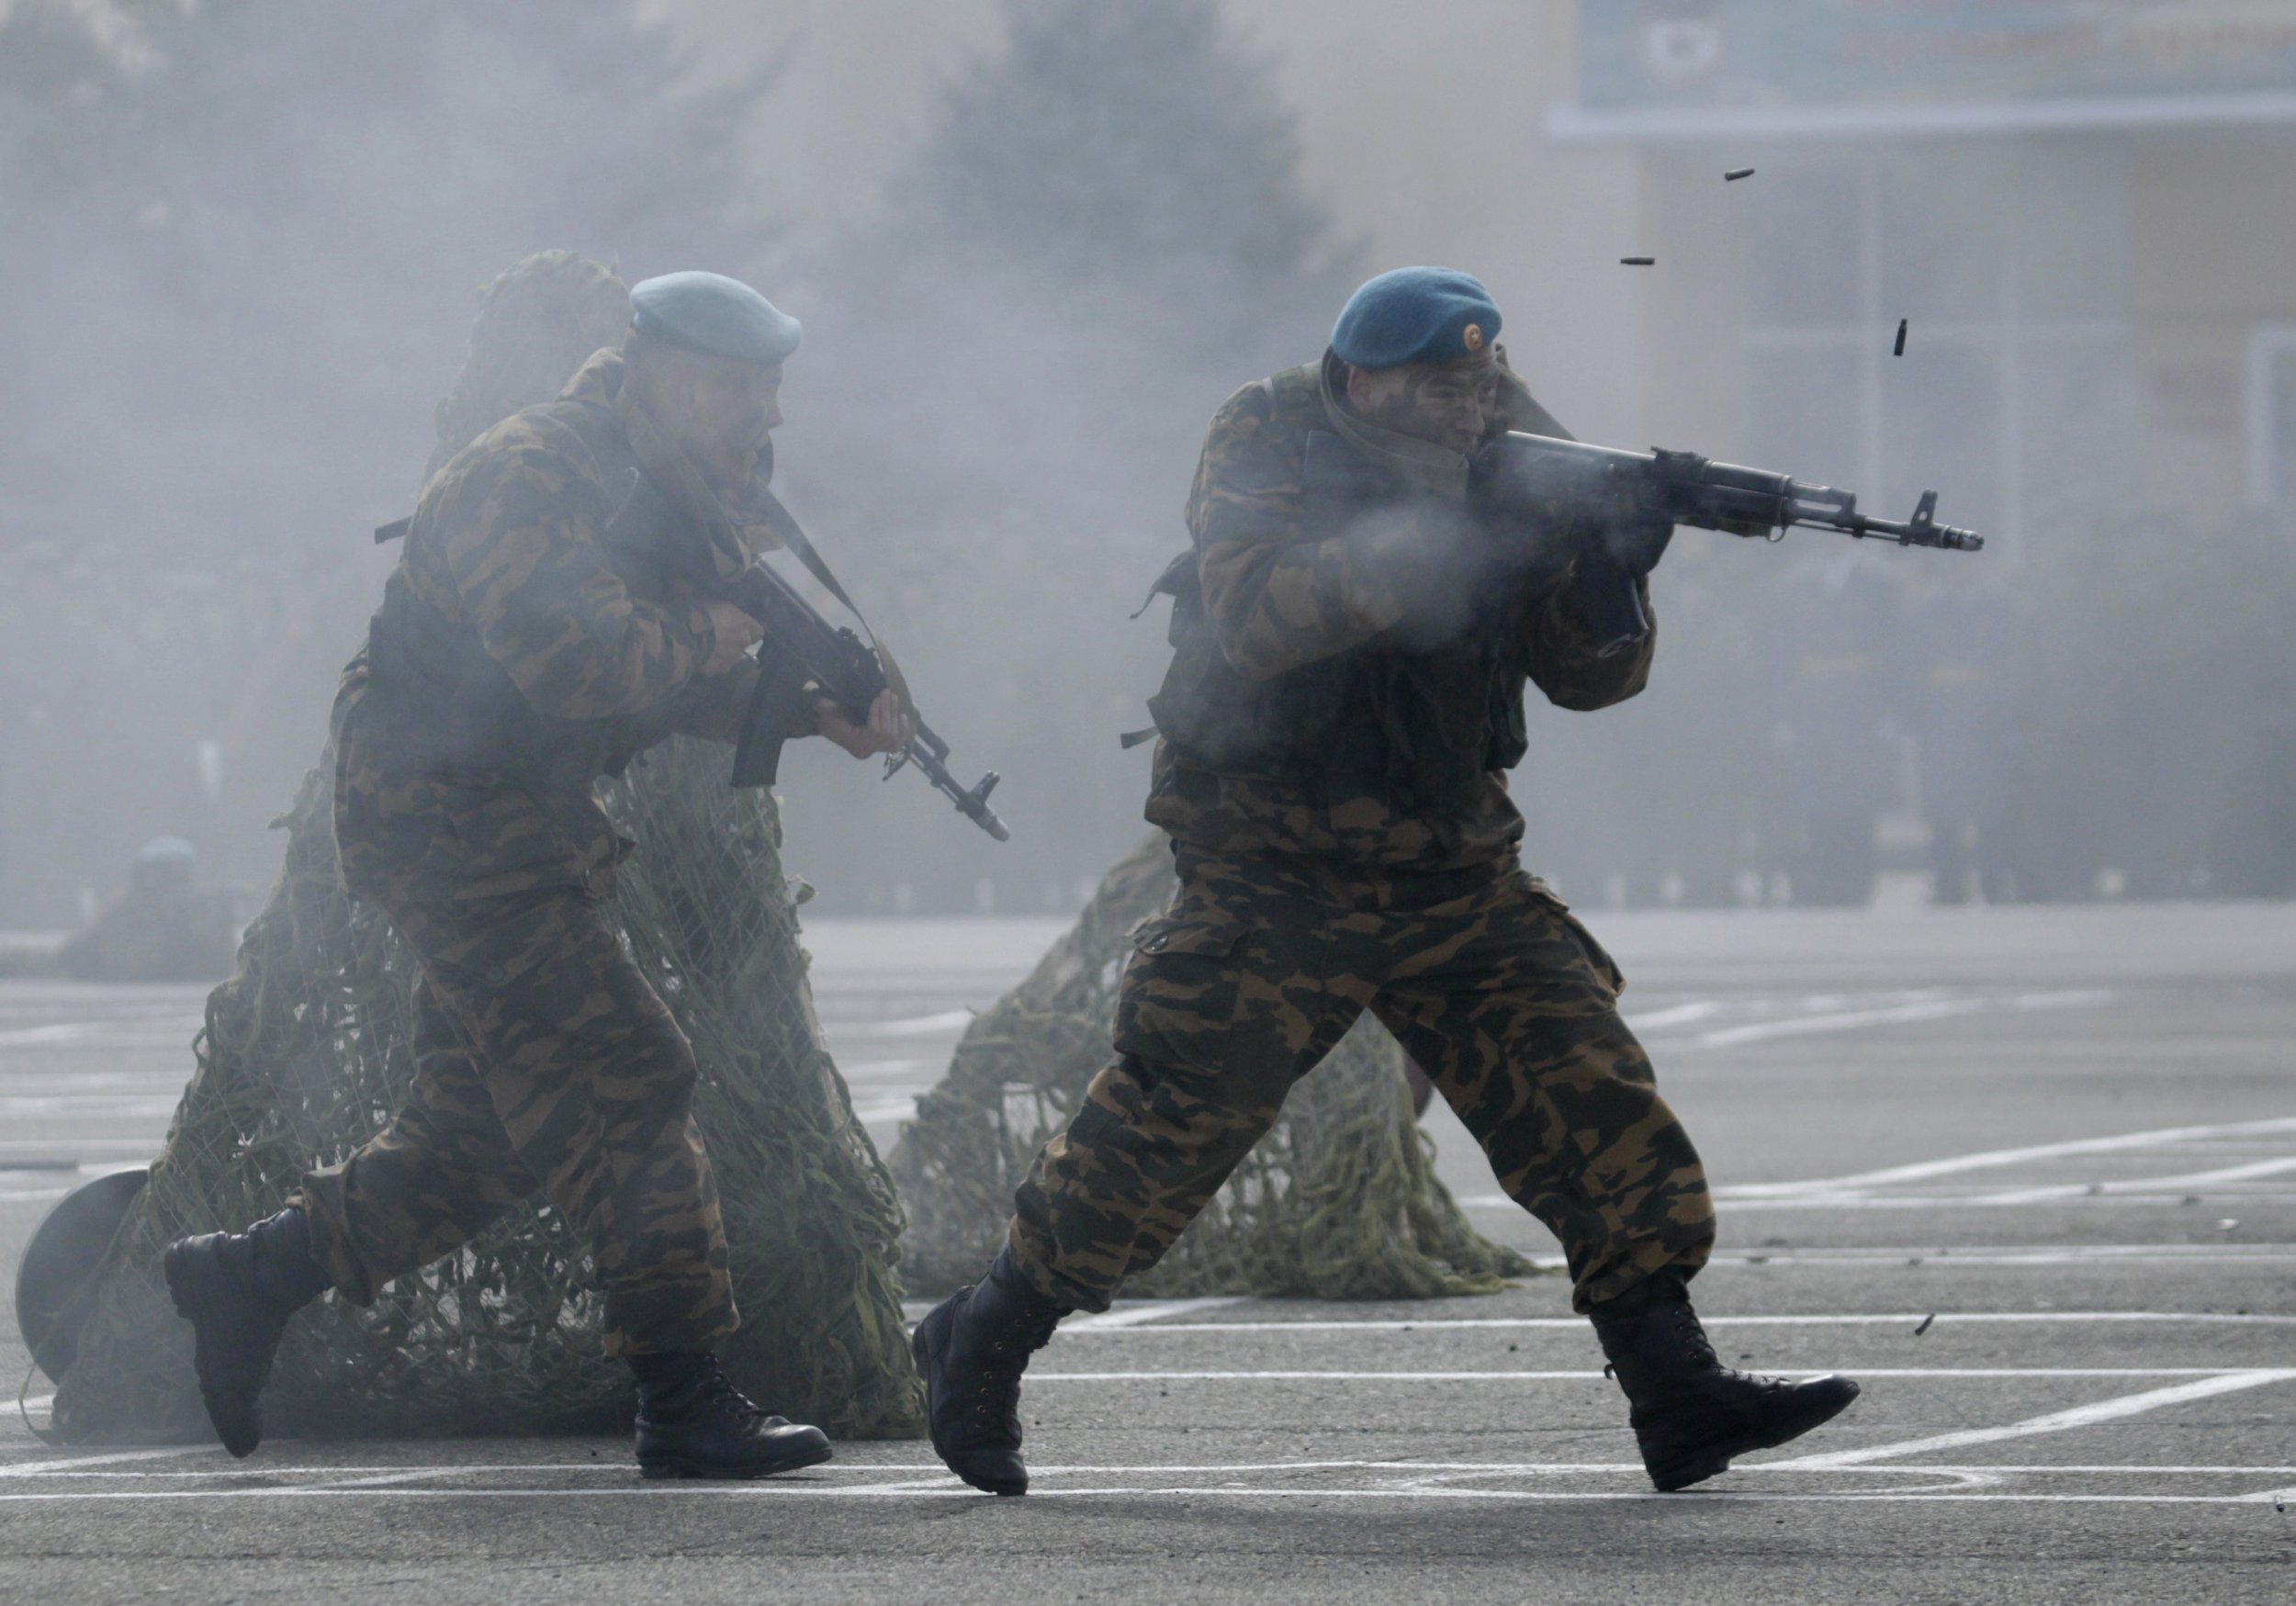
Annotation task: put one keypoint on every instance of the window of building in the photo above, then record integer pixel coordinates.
(2015, 399)
(2272, 415)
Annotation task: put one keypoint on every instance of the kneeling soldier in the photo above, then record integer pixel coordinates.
(1352, 644)
(544, 625)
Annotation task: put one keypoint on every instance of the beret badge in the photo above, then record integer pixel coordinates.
(1471, 337)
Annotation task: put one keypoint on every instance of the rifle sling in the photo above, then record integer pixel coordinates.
(784, 525)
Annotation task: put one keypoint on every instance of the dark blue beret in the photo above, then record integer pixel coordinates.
(709, 312)
(1416, 315)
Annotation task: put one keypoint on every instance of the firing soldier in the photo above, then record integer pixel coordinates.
(1352, 638)
(550, 619)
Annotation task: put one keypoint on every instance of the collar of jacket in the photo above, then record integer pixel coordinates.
(1422, 463)
(734, 541)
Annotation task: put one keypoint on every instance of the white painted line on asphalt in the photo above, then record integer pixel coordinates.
(2185, 1184)
(35, 1468)
(1144, 1312)
(1730, 1036)
(62, 1031)
(1988, 1159)
(926, 1474)
(1676, 1014)
(921, 1471)
(2083, 1198)
(938, 1488)
(878, 1111)
(119, 1106)
(2071, 998)
(2214, 1376)
(1579, 1323)
(2012, 1254)
(914, 1026)
(2107, 1410)
(139, 1148)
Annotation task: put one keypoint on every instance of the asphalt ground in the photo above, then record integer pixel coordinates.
(2028, 1174)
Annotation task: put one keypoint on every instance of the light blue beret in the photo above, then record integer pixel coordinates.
(1416, 315)
(709, 312)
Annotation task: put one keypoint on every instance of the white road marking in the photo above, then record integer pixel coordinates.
(1987, 1201)
(623, 1468)
(2186, 1183)
(62, 1031)
(119, 1106)
(2013, 1255)
(916, 1025)
(2213, 1377)
(948, 1489)
(2127, 1405)
(1145, 1311)
(1730, 1036)
(1677, 1015)
(1988, 1159)
(878, 1111)
(1578, 1324)
(34, 1468)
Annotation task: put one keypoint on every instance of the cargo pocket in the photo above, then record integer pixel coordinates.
(1182, 989)
(1596, 955)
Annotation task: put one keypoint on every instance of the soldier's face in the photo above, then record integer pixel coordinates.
(1451, 404)
(726, 412)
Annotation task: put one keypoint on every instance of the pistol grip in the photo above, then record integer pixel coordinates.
(780, 697)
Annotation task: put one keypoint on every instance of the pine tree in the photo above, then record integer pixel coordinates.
(1105, 235)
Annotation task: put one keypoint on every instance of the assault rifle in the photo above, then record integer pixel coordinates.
(1521, 480)
(815, 659)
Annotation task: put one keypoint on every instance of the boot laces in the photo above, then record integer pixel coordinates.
(712, 1387)
(1691, 1335)
(999, 1367)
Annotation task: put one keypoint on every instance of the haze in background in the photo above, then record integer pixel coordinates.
(1035, 245)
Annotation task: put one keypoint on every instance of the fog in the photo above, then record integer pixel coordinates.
(240, 242)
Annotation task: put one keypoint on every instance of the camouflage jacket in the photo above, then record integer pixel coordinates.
(1289, 591)
(544, 626)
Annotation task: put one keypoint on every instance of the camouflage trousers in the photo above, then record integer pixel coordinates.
(1260, 968)
(544, 1063)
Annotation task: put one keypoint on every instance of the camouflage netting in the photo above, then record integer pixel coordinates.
(306, 1053)
(1339, 1201)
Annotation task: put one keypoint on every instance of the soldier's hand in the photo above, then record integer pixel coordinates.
(737, 634)
(891, 727)
(1637, 542)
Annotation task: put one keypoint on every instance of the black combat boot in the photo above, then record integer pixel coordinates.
(1691, 1413)
(972, 1349)
(237, 1290)
(692, 1423)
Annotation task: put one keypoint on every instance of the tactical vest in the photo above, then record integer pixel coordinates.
(444, 704)
(1419, 728)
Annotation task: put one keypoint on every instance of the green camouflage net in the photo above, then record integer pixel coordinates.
(306, 1053)
(1339, 1201)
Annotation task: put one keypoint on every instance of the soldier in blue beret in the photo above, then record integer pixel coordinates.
(1352, 643)
(553, 613)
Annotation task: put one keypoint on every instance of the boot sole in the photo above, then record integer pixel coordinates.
(673, 1467)
(1715, 1459)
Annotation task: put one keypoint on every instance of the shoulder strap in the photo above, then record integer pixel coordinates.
(784, 525)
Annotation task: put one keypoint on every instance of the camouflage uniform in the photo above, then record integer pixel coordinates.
(542, 629)
(1345, 694)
